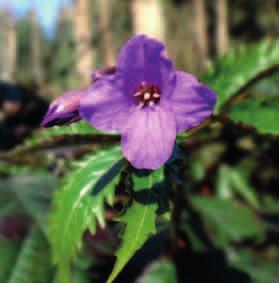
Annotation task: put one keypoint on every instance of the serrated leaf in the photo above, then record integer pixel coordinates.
(231, 220)
(259, 112)
(140, 220)
(239, 67)
(33, 263)
(46, 136)
(76, 209)
(161, 271)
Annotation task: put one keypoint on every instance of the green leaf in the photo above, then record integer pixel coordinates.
(267, 85)
(76, 209)
(8, 204)
(33, 193)
(161, 271)
(141, 183)
(230, 181)
(140, 220)
(231, 73)
(33, 262)
(9, 168)
(231, 220)
(261, 270)
(80, 128)
(45, 137)
(81, 269)
(260, 112)
(8, 254)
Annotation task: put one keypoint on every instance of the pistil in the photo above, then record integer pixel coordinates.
(147, 95)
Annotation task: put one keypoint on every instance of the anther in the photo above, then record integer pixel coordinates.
(137, 94)
(147, 96)
(141, 105)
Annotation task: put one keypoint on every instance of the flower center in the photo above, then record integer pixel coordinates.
(147, 95)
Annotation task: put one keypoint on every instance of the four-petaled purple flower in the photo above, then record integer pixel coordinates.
(145, 99)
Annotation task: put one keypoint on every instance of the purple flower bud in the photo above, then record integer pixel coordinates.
(99, 74)
(63, 110)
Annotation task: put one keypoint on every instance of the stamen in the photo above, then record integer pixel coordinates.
(141, 105)
(146, 96)
(138, 94)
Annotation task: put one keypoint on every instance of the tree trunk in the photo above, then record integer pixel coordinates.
(8, 50)
(84, 52)
(36, 49)
(200, 25)
(12, 52)
(148, 18)
(222, 36)
(105, 28)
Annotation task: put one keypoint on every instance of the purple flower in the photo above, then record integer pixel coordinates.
(147, 101)
(143, 98)
(96, 75)
(63, 110)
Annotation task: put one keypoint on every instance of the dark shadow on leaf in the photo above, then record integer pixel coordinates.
(157, 194)
(209, 266)
(108, 177)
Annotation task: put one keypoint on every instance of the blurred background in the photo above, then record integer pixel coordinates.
(50, 46)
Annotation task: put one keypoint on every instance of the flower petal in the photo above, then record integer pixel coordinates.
(148, 139)
(191, 101)
(105, 106)
(101, 73)
(141, 59)
(63, 110)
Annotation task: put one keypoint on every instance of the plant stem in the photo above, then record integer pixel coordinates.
(176, 217)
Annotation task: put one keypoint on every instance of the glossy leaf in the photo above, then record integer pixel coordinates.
(231, 220)
(140, 220)
(259, 112)
(80, 202)
(161, 271)
(239, 67)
